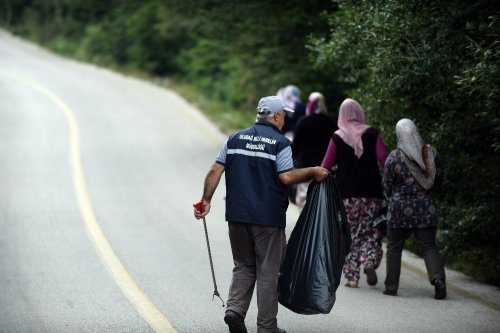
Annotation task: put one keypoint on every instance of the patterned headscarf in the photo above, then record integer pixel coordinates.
(352, 125)
(291, 95)
(281, 93)
(315, 104)
(414, 148)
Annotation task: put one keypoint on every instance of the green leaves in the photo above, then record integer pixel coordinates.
(436, 63)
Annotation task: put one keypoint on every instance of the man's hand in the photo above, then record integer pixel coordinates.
(320, 174)
(212, 179)
(201, 209)
(300, 175)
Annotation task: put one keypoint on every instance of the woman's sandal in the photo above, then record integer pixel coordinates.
(352, 284)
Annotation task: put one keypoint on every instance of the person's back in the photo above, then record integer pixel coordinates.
(359, 177)
(291, 97)
(312, 135)
(412, 172)
(258, 165)
(311, 139)
(404, 192)
(250, 168)
(356, 148)
(300, 112)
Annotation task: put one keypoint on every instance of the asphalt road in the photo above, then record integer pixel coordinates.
(98, 172)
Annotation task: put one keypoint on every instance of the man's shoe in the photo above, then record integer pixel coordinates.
(371, 275)
(439, 289)
(235, 322)
(279, 330)
(390, 292)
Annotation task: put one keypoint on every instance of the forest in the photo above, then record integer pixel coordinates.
(435, 62)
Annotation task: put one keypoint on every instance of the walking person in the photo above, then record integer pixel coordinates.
(291, 97)
(412, 173)
(312, 135)
(258, 166)
(356, 147)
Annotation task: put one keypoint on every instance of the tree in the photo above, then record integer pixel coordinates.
(435, 62)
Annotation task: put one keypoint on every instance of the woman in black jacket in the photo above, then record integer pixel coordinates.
(313, 132)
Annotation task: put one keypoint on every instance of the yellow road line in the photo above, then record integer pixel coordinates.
(123, 279)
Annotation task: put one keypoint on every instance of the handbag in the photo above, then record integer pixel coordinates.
(380, 221)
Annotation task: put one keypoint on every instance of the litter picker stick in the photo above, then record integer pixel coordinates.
(199, 207)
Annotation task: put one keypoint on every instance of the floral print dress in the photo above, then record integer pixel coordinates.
(366, 246)
(401, 188)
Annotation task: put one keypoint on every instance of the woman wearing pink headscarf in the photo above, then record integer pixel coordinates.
(356, 148)
(312, 135)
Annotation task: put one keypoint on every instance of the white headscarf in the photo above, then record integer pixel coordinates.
(412, 146)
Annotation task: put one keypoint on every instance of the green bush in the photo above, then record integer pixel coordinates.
(436, 63)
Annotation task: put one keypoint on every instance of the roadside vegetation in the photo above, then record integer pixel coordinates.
(436, 62)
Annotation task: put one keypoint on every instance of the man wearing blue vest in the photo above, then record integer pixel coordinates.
(258, 166)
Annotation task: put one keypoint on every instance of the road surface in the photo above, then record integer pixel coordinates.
(98, 172)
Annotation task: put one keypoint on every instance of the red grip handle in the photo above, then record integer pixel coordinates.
(199, 206)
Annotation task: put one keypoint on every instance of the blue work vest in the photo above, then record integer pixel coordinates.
(254, 193)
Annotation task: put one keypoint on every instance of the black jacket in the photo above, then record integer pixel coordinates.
(312, 135)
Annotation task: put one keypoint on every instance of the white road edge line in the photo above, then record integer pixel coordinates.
(147, 309)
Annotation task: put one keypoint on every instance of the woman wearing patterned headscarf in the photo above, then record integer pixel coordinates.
(412, 173)
(291, 96)
(356, 147)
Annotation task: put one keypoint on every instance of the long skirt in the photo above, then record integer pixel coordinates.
(366, 248)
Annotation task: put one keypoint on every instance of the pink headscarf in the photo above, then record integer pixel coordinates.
(315, 104)
(352, 125)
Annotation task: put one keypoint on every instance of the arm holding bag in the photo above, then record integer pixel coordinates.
(316, 252)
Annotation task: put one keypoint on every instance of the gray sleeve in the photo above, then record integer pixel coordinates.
(221, 157)
(284, 161)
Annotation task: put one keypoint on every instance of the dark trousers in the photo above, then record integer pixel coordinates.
(427, 241)
(258, 253)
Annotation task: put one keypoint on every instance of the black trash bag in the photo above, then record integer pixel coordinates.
(316, 252)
